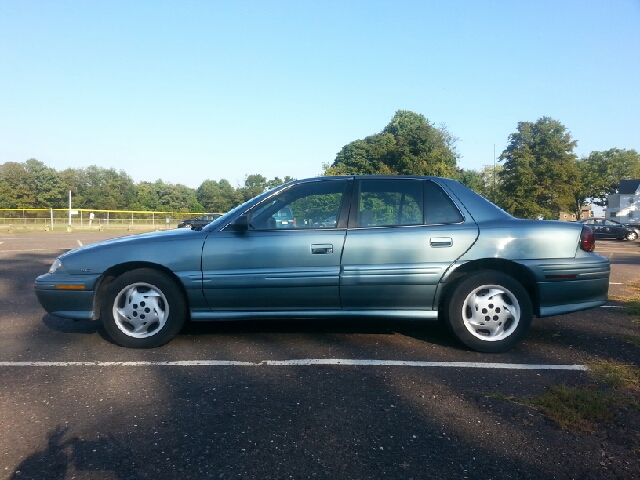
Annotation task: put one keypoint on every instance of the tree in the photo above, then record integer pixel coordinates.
(103, 189)
(256, 184)
(539, 177)
(486, 182)
(218, 196)
(161, 196)
(253, 185)
(604, 170)
(408, 145)
(49, 188)
(17, 186)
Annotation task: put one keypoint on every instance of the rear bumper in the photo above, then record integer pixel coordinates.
(565, 287)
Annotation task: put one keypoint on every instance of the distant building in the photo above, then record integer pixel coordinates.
(585, 212)
(624, 206)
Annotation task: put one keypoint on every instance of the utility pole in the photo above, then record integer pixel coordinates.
(69, 207)
(494, 174)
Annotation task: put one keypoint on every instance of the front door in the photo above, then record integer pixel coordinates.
(287, 260)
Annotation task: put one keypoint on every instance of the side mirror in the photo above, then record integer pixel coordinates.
(240, 224)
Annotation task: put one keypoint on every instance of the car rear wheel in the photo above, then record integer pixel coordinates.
(489, 311)
(143, 308)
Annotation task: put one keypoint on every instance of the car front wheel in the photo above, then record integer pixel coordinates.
(632, 236)
(489, 311)
(143, 308)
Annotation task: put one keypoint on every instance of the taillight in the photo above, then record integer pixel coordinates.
(587, 239)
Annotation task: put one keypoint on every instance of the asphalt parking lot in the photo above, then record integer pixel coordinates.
(297, 399)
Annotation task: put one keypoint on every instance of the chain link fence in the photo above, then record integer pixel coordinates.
(53, 219)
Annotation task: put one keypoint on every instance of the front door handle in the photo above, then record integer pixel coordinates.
(321, 249)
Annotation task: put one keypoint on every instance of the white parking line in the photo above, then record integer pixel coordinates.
(302, 362)
(28, 250)
(79, 242)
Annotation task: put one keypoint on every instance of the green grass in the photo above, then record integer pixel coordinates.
(631, 301)
(584, 408)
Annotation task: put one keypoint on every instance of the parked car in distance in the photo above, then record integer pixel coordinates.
(402, 247)
(284, 218)
(606, 228)
(329, 222)
(199, 221)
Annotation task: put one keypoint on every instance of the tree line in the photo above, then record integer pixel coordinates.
(31, 184)
(538, 175)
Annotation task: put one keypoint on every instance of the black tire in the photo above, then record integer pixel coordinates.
(631, 236)
(489, 311)
(143, 308)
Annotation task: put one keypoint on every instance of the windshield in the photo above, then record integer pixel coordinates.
(234, 211)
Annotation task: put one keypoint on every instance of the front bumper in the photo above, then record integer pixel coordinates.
(67, 296)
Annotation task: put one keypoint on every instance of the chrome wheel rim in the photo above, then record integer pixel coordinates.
(140, 310)
(491, 313)
(632, 236)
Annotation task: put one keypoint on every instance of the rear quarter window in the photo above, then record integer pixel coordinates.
(439, 208)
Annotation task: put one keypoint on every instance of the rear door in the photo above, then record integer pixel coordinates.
(403, 234)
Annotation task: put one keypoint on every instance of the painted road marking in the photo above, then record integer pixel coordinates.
(29, 250)
(79, 242)
(302, 362)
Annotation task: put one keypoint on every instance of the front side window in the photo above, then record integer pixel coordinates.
(383, 203)
(308, 205)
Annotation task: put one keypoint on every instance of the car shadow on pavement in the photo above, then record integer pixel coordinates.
(432, 332)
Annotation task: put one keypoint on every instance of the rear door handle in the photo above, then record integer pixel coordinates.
(321, 249)
(439, 242)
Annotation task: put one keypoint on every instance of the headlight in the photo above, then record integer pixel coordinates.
(55, 265)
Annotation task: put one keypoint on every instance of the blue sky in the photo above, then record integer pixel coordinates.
(190, 90)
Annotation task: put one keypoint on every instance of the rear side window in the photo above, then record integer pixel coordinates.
(438, 206)
(385, 203)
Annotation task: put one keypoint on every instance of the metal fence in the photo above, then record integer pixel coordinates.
(60, 219)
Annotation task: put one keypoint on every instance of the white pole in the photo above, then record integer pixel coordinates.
(69, 207)
(51, 214)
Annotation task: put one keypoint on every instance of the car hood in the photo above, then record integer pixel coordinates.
(178, 249)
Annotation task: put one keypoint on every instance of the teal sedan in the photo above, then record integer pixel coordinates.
(423, 248)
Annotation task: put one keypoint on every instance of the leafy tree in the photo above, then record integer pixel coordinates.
(218, 196)
(408, 145)
(102, 189)
(602, 172)
(486, 182)
(470, 178)
(17, 186)
(256, 184)
(169, 197)
(49, 188)
(539, 177)
(253, 185)
(276, 182)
